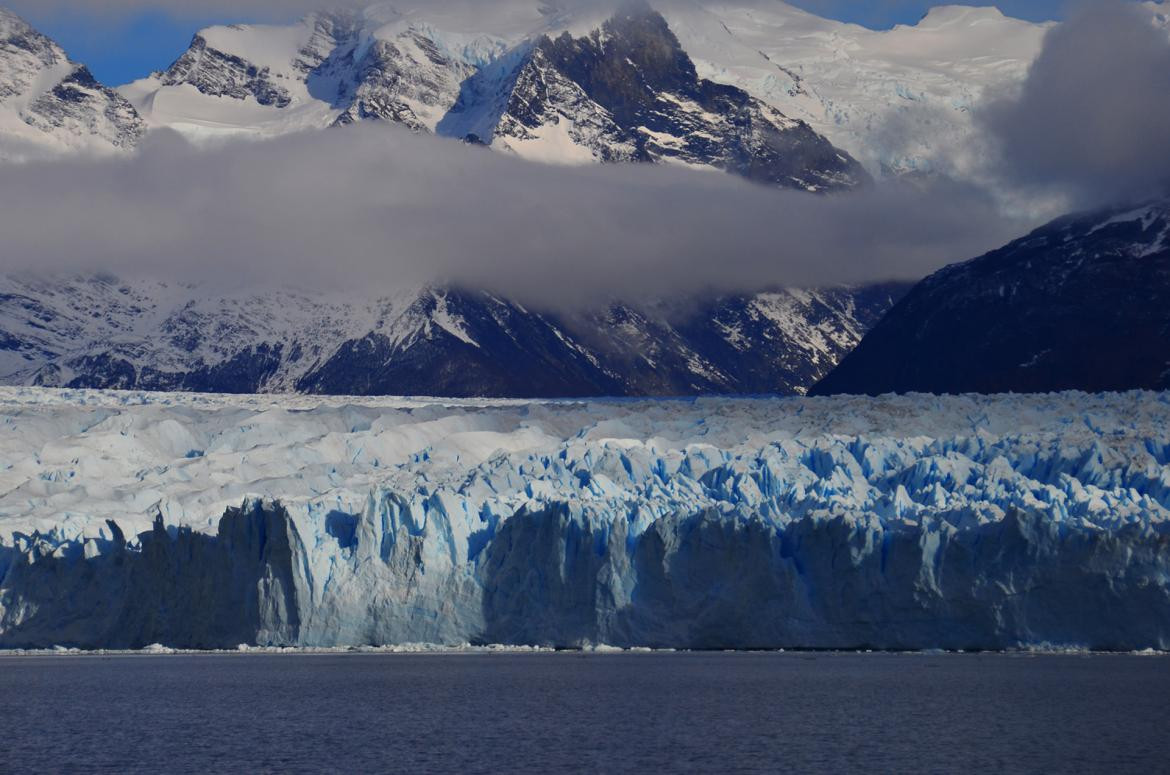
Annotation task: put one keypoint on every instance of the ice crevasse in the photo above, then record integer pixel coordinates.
(899, 522)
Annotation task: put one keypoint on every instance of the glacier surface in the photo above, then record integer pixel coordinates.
(200, 521)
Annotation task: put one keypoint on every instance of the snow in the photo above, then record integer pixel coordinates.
(88, 315)
(898, 100)
(479, 50)
(849, 82)
(551, 143)
(791, 312)
(1159, 246)
(1147, 214)
(66, 327)
(267, 45)
(33, 124)
(450, 322)
(204, 117)
(897, 521)
(1148, 217)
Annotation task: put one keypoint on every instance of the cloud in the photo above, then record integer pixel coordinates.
(1092, 120)
(263, 10)
(377, 208)
(372, 208)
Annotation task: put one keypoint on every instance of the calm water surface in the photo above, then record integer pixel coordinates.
(585, 713)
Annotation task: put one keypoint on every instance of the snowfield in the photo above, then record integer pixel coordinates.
(203, 521)
(898, 100)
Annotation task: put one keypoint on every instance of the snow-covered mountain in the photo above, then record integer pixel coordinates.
(898, 100)
(625, 91)
(629, 92)
(50, 104)
(103, 332)
(1082, 303)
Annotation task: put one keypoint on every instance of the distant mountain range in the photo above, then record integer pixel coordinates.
(1080, 304)
(770, 93)
(103, 332)
(764, 90)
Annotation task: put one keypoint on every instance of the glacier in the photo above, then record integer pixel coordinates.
(900, 522)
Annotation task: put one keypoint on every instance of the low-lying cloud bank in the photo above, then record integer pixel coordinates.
(375, 206)
(1091, 122)
(371, 208)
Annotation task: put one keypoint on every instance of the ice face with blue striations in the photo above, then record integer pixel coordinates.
(898, 522)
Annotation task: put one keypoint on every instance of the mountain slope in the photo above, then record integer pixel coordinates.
(50, 104)
(103, 332)
(628, 91)
(898, 100)
(1080, 304)
(333, 68)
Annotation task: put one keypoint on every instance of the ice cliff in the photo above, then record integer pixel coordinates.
(898, 522)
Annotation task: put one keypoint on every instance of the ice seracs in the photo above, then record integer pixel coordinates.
(901, 522)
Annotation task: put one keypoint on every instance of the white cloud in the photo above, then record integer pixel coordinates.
(379, 206)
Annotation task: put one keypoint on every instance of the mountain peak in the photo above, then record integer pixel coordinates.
(949, 15)
(50, 104)
(640, 79)
(426, 340)
(17, 35)
(1082, 303)
(10, 20)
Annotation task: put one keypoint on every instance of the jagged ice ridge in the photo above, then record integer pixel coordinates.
(899, 522)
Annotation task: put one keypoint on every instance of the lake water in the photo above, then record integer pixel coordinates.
(568, 712)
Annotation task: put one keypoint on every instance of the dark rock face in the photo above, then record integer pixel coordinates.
(635, 68)
(626, 92)
(1080, 304)
(514, 354)
(245, 372)
(215, 73)
(75, 108)
(629, 92)
(392, 77)
(720, 346)
(103, 333)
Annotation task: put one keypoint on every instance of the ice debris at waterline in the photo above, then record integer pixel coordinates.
(895, 522)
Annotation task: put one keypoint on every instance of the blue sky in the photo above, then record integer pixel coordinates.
(130, 46)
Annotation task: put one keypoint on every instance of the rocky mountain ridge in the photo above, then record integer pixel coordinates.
(104, 332)
(628, 91)
(624, 92)
(49, 103)
(1082, 303)
(897, 100)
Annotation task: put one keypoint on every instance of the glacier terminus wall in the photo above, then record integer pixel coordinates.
(967, 522)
